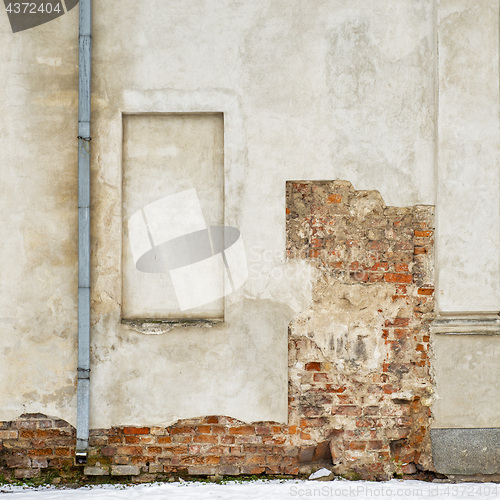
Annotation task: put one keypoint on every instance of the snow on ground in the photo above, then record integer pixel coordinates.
(266, 490)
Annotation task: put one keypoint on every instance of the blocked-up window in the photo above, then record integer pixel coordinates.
(173, 263)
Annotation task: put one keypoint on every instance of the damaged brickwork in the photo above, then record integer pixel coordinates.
(35, 443)
(359, 373)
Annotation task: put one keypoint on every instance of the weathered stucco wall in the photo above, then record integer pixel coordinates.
(468, 379)
(468, 216)
(306, 93)
(344, 90)
(38, 221)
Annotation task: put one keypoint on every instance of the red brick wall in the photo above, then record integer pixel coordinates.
(375, 413)
(359, 414)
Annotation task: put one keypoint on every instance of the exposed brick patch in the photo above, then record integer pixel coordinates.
(362, 364)
(34, 443)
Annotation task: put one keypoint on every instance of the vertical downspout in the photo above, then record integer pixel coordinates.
(83, 390)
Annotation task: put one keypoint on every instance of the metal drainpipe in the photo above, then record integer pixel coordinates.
(83, 389)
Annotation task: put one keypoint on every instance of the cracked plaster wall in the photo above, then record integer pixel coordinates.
(344, 90)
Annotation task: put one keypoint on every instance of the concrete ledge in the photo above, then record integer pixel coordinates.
(96, 471)
(466, 451)
(26, 473)
(473, 324)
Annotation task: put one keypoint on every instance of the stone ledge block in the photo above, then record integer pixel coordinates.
(125, 470)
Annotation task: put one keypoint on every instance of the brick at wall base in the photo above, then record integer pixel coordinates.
(35, 444)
